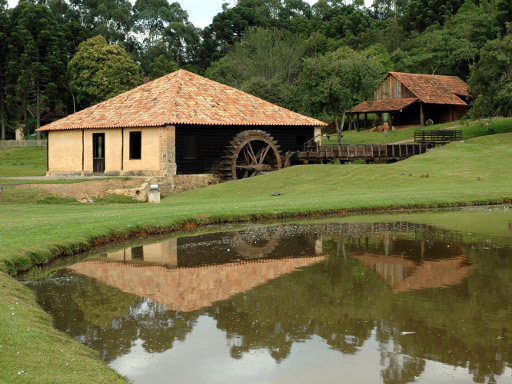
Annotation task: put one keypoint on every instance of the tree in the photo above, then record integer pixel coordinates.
(110, 18)
(490, 81)
(166, 32)
(418, 15)
(37, 57)
(4, 35)
(332, 83)
(265, 64)
(451, 49)
(503, 14)
(100, 71)
(161, 66)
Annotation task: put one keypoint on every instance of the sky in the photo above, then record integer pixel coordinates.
(201, 12)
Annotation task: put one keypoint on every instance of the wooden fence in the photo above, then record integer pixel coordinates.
(23, 143)
(439, 137)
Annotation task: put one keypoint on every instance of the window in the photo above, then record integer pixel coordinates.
(138, 253)
(135, 145)
(189, 147)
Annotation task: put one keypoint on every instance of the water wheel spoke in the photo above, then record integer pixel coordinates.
(251, 152)
(264, 155)
(246, 155)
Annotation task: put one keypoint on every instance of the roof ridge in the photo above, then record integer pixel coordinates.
(424, 74)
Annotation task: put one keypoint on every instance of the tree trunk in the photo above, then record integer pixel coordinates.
(2, 115)
(2, 106)
(25, 115)
(339, 128)
(38, 110)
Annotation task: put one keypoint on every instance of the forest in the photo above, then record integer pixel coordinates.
(319, 60)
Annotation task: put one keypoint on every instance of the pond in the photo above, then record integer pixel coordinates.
(411, 297)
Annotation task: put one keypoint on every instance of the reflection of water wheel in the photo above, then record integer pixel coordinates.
(250, 153)
(256, 243)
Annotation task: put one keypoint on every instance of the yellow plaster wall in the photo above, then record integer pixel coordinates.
(150, 155)
(112, 149)
(65, 151)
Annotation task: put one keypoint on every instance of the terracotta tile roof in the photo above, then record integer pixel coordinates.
(182, 98)
(383, 105)
(434, 89)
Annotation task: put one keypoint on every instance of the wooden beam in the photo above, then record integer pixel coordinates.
(83, 151)
(366, 121)
(422, 115)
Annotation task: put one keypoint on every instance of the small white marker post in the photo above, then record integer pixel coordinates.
(154, 194)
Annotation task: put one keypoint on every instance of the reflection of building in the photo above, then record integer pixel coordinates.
(189, 273)
(190, 289)
(220, 248)
(403, 275)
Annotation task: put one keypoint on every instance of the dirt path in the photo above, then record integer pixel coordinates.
(86, 189)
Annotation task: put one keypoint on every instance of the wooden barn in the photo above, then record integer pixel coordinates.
(413, 99)
(179, 125)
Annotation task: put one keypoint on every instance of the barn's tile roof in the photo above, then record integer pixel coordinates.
(181, 97)
(434, 89)
(383, 105)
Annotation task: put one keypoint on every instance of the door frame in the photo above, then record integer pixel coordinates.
(98, 152)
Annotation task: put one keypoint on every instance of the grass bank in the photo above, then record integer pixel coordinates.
(24, 161)
(469, 129)
(468, 173)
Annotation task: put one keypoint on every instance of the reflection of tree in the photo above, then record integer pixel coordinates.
(300, 305)
(110, 321)
(340, 300)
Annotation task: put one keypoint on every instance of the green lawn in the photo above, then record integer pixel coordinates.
(460, 173)
(27, 161)
(471, 172)
(470, 129)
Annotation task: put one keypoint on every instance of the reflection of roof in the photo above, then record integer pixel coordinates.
(182, 97)
(190, 289)
(404, 275)
(383, 105)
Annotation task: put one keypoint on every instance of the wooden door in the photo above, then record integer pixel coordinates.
(98, 152)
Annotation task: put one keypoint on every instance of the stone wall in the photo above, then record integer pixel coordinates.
(167, 141)
(180, 183)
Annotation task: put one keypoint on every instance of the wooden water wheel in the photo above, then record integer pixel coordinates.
(250, 153)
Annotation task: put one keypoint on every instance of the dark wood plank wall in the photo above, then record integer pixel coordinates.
(391, 88)
(212, 140)
(409, 115)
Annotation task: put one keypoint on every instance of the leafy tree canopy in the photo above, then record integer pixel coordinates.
(490, 81)
(334, 82)
(266, 64)
(100, 71)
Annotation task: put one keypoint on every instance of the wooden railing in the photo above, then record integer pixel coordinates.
(438, 137)
(367, 152)
(23, 143)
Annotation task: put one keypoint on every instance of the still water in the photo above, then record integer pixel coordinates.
(423, 298)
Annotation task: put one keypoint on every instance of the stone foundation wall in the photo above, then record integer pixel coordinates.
(180, 183)
(168, 186)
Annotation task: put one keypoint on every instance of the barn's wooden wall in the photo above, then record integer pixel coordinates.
(212, 140)
(391, 88)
